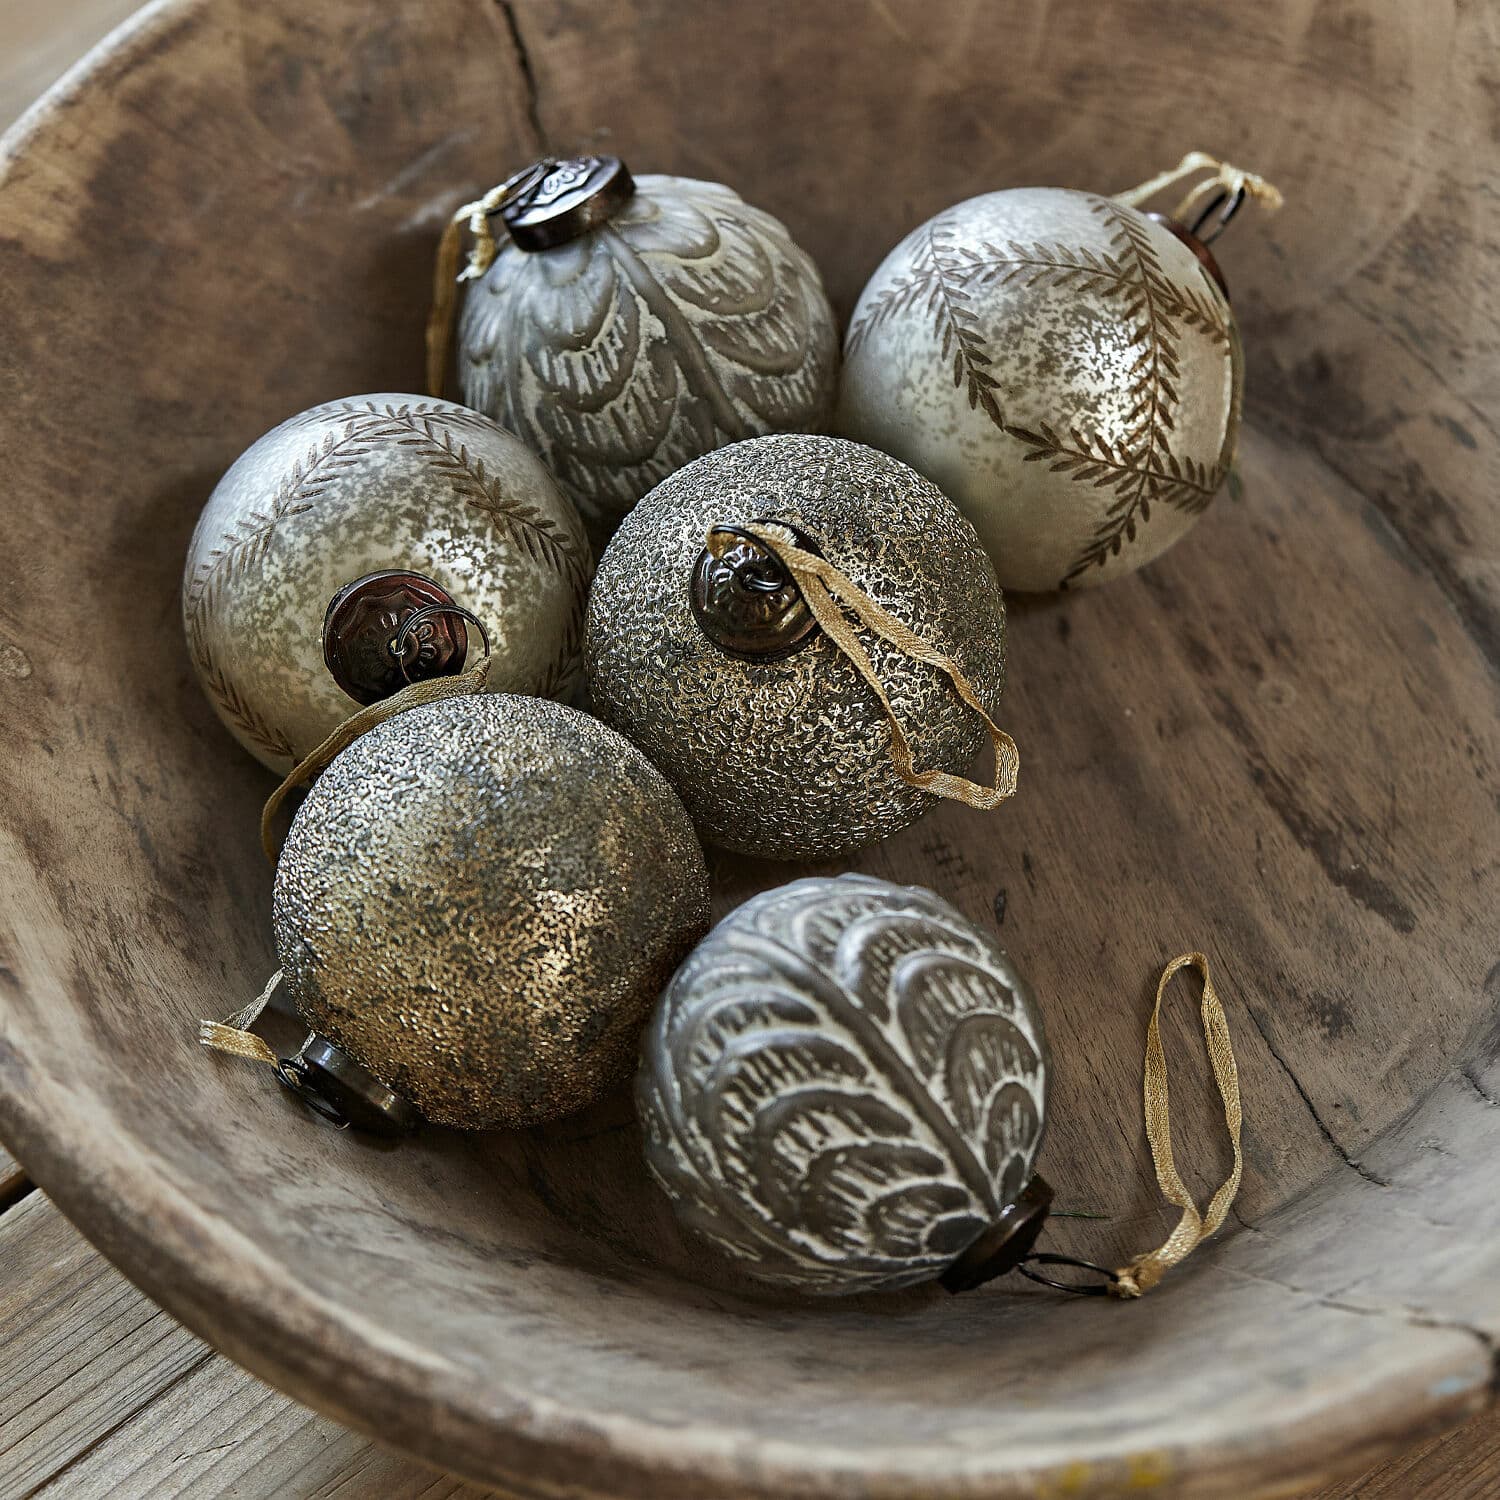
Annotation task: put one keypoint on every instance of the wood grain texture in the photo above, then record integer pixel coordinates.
(13, 1180)
(168, 1417)
(1279, 743)
(103, 1394)
(42, 40)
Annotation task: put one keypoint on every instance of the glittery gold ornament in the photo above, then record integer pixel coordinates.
(1064, 366)
(628, 325)
(477, 905)
(702, 650)
(325, 538)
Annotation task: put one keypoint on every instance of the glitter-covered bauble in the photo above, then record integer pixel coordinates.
(1066, 368)
(479, 902)
(776, 744)
(844, 1088)
(630, 325)
(328, 534)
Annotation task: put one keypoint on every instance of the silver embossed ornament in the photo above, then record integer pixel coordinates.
(790, 710)
(1064, 366)
(325, 539)
(628, 325)
(844, 1088)
(475, 909)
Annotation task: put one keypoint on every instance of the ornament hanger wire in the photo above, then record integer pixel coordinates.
(403, 646)
(1098, 1288)
(1228, 203)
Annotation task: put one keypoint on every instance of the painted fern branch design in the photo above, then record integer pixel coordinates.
(963, 335)
(235, 708)
(245, 544)
(919, 289)
(538, 535)
(1142, 469)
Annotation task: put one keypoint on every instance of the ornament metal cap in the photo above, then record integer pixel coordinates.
(1005, 1244)
(330, 1082)
(365, 621)
(553, 202)
(744, 599)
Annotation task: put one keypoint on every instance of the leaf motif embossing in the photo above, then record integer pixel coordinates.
(689, 321)
(843, 1085)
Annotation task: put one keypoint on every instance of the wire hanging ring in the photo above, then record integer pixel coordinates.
(399, 646)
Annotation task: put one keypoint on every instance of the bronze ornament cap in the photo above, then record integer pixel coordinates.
(1005, 1244)
(559, 201)
(332, 1083)
(744, 599)
(1197, 246)
(361, 626)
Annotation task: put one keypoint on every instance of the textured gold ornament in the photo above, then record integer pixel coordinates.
(1061, 365)
(688, 320)
(353, 488)
(480, 901)
(790, 756)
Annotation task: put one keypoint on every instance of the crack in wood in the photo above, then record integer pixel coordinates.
(1312, 1109)
(522, 55)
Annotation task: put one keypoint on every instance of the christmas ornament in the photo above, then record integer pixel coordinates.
(325, 540)
(629, 325)
(475, 909)
(717, 641)
(1064, 366)
(844, 1089)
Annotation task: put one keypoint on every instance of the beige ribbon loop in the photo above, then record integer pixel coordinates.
(446, 275)
(414, 695)
(1146, 1270)
(819, 582)
(233, 1036)
(1230, 178)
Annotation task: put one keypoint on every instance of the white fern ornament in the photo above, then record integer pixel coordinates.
(844, 1088)
(623, 326)
(1064, 366)
(355, 547)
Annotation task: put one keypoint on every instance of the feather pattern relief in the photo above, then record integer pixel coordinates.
(843, 1085)
(689, 321)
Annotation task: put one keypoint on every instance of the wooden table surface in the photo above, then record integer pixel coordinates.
(102, 1394)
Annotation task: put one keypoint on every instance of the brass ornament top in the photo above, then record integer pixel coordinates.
(365, 619)
(744, 599)
(552, 202)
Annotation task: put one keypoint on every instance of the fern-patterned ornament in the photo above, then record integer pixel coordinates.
(377, 484)
(844, 1088)
(629, 325)
(1064, 366)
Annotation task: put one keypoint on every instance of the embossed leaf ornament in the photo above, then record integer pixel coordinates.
(844, 1085)
(689, 321)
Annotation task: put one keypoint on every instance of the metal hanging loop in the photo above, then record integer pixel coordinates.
(1078, 1288)
(1228, 204)
(403, 646)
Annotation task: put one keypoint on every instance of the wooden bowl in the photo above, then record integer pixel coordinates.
(1278, 743)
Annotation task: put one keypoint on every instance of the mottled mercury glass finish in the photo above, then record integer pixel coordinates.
(356, 487)
(1064, 367)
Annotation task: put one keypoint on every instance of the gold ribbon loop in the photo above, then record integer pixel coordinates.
(1192, 1229)
(1231, 179)
(233, 1036)
(446, 275)
(414, 695)
(820, 582)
